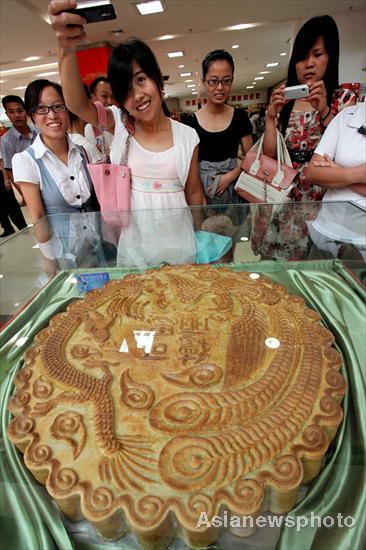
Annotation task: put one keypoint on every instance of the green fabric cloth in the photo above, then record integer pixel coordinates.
(29, 520)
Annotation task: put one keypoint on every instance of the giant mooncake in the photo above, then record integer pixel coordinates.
(180, 391)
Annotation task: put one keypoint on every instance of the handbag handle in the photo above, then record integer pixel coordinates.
(102, 127)
(124, 157)
(283, 157)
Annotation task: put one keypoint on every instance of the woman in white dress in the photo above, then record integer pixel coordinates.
(163, 154)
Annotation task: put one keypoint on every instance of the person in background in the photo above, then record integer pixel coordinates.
(314, 61)
(53, 177)
(253, 120)
(221, 129)
(339, 165)
(162, 155)
(18, 137)
(76, 134)
(259, 124)
(100, 90)
(10, 210)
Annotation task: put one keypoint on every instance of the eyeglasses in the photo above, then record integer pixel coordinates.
(45, 109)
(213, 82)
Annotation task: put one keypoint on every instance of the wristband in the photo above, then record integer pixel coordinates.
(326, 116)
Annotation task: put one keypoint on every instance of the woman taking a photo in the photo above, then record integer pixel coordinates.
(314, 61)
(221, 129)
(162, 153)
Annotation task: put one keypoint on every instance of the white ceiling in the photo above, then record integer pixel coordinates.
(198, 25)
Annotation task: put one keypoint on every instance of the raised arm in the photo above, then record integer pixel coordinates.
(275, 106)
(69, 29)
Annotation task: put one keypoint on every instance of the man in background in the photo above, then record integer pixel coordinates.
(18, 137)
(101, 90)
(10, 210)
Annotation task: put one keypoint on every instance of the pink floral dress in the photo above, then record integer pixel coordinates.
(285, 236)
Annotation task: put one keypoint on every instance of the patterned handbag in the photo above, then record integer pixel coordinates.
(265, 179)
(112, 182)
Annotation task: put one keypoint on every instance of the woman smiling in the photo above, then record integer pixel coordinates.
(52, 173)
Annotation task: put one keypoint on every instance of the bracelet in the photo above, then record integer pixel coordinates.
(326, 116)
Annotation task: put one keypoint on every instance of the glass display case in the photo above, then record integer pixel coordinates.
(316, 250)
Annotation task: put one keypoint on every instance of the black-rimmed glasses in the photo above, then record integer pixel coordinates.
(213, 82)
(45, 109)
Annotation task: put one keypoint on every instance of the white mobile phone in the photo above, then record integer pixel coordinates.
(295, 92)
(95, 10)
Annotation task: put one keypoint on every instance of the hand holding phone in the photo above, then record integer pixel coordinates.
(68, 27)
(296, 92)
(95, 11)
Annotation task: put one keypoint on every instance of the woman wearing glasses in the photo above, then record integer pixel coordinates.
(221, 130)
(52, 172)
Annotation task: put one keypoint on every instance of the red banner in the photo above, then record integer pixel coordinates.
(93, 62)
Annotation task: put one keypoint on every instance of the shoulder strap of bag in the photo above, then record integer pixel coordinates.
(124, 155)
(281, 146)
(102, 119)
(84, 159)
(83, 152)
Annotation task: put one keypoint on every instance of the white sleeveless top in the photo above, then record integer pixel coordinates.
(161, 226)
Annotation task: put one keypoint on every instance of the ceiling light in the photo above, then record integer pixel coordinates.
(193, 93)
(249, 87)
(146, 8)
(48, 74)
(166, 37)
(31, 58)
(189, 80)
(283, 53)
(175, 54)
(29, 69)
(20, 88)
(264, 72)
(191, 85)
(2, 81)
(180, 66)
(234, 46)
(242, 26)
(272, 64)
(116, 32)
(254, 83)
(185, 74)
(259, 78)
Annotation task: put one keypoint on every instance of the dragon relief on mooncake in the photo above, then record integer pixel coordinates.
(160, 393)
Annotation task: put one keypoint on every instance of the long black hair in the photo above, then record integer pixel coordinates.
(120, 74)
(315, 27)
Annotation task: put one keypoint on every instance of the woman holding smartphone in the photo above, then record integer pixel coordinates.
(162, 153)
(314, 62)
